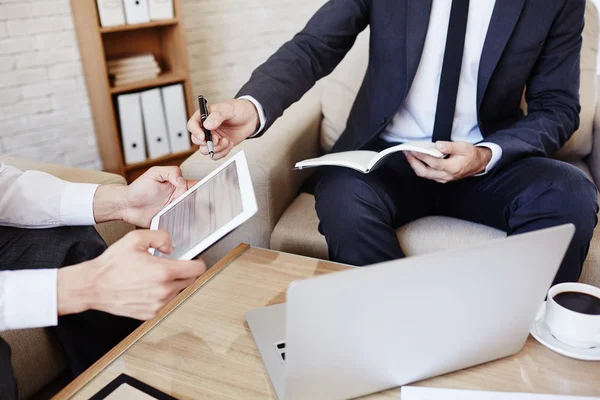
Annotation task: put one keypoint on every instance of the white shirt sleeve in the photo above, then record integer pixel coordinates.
(496, 156)
(28, 299)
(261, 113)
(36, 199)
(33, 199)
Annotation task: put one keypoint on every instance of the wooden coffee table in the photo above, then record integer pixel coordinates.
(200, 346)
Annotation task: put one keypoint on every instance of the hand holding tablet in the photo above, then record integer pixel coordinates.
(209, 210)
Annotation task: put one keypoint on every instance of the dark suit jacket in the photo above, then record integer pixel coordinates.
(530, 43)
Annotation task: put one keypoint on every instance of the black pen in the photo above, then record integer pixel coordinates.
(203, 107)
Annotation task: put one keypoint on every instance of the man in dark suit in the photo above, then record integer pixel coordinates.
(452, 72)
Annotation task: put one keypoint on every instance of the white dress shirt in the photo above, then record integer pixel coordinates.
(416, 117)
(32, 199)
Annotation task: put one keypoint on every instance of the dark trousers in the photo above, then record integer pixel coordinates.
(84, 337)
(359, 213)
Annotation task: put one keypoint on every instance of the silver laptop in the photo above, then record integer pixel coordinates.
(360, 331)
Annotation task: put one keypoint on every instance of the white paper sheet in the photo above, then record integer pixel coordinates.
(421, 393)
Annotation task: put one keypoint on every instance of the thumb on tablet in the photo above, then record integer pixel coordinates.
(187, 269)
(145, 239)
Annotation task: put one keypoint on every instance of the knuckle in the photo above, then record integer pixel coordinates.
(217, 114)
(172, 169)
(164, 275)
(135, 236)
(163, 293)
(453, 169)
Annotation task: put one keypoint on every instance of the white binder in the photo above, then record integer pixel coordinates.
(132, 128)
(136, 11)
(111, 12)
(154, 123)
(160, 9)
(176, 115)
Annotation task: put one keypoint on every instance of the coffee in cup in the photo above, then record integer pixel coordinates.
(573, 314)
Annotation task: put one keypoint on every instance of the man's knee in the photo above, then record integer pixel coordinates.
(48, 248)
(564, 194)
(343, 195)
(85, 244)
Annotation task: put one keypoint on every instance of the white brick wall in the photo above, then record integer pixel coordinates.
(227, 39)
(44, 109)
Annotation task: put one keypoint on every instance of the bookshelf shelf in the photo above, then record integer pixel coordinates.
(164, 39)
(166, 159)
(166, 78)
(131, 27)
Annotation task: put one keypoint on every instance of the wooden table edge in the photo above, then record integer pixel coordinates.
(82, 380)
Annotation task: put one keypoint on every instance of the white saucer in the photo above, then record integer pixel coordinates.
(542, 334)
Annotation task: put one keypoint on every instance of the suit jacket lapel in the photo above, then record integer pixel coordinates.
(417, 21)
(504, 19)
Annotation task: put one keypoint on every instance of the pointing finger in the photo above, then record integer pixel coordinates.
(194, 127)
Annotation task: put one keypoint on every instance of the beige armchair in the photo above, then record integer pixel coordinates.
(37, 358)
(287, 220)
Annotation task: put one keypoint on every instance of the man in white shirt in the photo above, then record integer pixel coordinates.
(448, 71)
(55, 270)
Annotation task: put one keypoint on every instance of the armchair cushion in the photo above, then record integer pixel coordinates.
(297, 233)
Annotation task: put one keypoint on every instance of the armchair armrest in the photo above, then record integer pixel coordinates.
(271, 158)
(110, 231)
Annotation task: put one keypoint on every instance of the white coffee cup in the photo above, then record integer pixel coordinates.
(570, 327)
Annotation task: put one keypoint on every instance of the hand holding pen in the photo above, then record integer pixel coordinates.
(228, 124)
(203, 107)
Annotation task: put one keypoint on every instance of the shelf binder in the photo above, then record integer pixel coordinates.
(154, 123)
(132, 128)
(176, 116)
(136, 11)
(160, 9)
(111, 12)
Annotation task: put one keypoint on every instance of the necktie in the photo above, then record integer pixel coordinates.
(455, 46)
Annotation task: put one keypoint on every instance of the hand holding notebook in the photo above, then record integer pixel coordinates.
(366, 161)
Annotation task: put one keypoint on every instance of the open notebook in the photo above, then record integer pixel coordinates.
(424, 393)
(366, 161)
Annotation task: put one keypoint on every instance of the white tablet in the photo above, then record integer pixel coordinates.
(209, 210)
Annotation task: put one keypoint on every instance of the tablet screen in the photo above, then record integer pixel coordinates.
(204, 211)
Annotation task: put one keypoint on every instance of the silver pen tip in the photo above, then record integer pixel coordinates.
(211, 149)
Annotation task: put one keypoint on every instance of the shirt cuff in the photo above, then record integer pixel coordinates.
(30, 299)
(496, 156)
(261, 113)
(77, 204)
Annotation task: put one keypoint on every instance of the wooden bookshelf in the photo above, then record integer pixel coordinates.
(145, 25)
(166, 78)
(165, 40)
